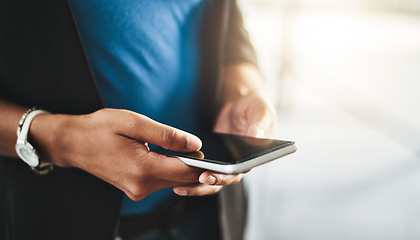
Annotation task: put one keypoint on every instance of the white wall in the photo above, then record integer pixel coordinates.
(346, 78)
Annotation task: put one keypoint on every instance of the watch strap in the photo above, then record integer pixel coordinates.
(26, 120)
(22, 135)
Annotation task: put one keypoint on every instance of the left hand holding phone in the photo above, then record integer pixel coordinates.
(112, 145)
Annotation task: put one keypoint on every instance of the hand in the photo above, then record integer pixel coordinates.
(249, 115)
(210, 182)
(112, 145)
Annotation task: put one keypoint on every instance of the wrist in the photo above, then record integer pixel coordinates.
(43, 135)
(240, 80)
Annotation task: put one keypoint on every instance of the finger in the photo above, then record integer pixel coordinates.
(157, 172)
(171, 169)
(136, 192)
(197, 190)
(144, 129)
(214, 178)
(260, 120)
(198, 154)
(255, 131)
(265, 123)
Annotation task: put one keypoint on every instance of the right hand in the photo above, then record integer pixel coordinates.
(112, 145)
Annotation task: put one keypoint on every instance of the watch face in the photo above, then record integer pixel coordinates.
(27, 153)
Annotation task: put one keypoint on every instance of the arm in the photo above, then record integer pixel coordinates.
(245, 109)
(245, 112)
(112, 145)
(10, 115)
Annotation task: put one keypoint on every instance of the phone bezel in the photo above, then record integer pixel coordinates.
(244, 164)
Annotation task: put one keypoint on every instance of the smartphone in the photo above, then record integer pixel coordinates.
(232, 154)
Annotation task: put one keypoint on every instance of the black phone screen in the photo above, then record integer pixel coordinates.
(229, 148)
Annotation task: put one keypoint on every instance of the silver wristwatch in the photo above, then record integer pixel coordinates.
(24, 149)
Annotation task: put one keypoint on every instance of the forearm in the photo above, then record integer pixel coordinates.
(241, 79)
(245, 111)
(10, 116)
(40, 132)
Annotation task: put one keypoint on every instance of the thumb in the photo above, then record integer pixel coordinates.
(255, 131)
(144, 129)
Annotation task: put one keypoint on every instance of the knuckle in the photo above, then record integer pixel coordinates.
(221, 180)
(101, 113)
(169, 136)
(134, 121)
(136, 192)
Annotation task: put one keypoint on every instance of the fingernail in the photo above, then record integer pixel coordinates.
(181, 192)
(210, 180)
(193, 143)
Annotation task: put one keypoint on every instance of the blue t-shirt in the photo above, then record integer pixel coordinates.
(145, 56)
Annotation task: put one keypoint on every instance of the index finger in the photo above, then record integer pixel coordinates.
(172, 169)
(215, 178)
(144, 129)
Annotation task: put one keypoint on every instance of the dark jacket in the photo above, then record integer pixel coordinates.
(43, 64)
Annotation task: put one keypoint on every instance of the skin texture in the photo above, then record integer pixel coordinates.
(112, 144)
(245, 112)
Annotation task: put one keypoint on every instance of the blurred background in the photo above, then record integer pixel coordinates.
(345, 77)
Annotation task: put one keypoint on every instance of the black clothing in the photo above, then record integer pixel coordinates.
(43, 64)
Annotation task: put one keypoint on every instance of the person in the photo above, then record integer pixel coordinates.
(158, 67)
